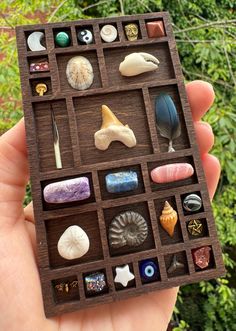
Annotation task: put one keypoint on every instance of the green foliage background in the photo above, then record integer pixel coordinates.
(205, 31)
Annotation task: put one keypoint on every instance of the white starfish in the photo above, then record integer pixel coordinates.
(123, 275)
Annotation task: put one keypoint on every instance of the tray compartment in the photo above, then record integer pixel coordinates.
(182, 258)
(65, 289)
(89, 223)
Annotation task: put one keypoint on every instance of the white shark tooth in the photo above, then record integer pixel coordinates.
(138, 63)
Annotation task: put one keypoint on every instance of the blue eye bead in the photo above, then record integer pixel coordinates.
(148, 270)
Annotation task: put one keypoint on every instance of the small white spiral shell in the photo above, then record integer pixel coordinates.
(108, 33)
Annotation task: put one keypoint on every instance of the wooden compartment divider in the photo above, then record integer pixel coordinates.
(78, 117)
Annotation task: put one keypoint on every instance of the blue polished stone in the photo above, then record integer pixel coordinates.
(123, 181)
(149, 270)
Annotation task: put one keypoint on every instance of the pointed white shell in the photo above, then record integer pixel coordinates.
(108, 33)
(79, 73)
(34, 41)
(73, 243)
(138, 63)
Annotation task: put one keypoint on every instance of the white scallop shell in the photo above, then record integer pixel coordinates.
(73, 243)
(108, 33)
(79, 73)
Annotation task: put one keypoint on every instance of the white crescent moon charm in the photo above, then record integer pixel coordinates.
(34, 41)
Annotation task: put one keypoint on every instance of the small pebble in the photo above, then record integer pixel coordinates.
(149, 270)
(131, 31)
(95, 283)
(62, 39)
(123, 181)
(192, 203)
(75, 189)
(201, 256)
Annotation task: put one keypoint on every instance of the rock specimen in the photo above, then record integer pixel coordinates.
(85, 36)
(108, 33)
(201, 256)
(62, 39)
(95, 283)
(127, 229)
(123, 181)
(131, 31)
(168, 219)
(155, 29)
(195, 227)
(113, 130)
(192, 203)
(79, 73)
(123, 275)
(149, 270)
(73, 243)
(34, 41)
(75, 189)
(172, 172)
(138, 63)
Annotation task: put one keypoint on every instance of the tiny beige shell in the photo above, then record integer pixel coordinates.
(79, 73)
(73, 243)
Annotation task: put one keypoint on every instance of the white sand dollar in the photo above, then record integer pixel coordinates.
(73, 243)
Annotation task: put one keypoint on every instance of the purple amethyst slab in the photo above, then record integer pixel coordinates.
(75, 189)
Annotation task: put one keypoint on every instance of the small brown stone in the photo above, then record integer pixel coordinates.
(201, 256)
(155, 29)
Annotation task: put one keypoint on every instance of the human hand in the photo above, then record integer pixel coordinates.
(21, 303)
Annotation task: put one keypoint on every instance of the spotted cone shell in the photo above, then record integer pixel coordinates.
(168, 219)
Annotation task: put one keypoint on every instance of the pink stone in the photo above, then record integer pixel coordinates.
(201, 256)
(172, 172)
(155, 29)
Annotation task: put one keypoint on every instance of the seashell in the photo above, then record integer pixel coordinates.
(79, 73)
(73, 243)
(138, 63)
(192, 202)
(34, 41)
(201, 256)
(108, 33)
(155, 29)
(175, 265)
(113, 130)
(172, 172)
(168, 219)
(131, 31)
(127, 229)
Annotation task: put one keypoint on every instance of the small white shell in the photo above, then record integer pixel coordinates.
(73, 243)
(79, 73)
(108, 33)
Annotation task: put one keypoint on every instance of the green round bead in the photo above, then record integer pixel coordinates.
(62, 39)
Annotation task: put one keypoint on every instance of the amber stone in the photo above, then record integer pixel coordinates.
(155, 29)
(201, 256)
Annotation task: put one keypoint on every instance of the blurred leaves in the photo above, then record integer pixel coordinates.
(206, 39)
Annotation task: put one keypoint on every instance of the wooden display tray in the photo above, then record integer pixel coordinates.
(78, 117)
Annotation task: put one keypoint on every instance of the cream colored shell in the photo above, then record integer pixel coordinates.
(79, 73)
(108, 33)
(73, 243)
(138, 63)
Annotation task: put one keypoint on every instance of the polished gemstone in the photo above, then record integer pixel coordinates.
(123, 275)
(192, 203)
(39, 66)
(62, 39)
(201, 256)
(172, 172)
(85, 36)
(70, 190)
(149, 270)
(95, 283)
(155, 29)
(123, 181)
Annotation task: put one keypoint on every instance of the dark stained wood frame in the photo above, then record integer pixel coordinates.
(53, 269)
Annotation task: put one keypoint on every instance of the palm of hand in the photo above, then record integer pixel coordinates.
(21, 303)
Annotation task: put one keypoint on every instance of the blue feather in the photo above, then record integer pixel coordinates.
(167, 118)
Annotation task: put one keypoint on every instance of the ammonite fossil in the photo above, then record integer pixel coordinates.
(128, 228)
